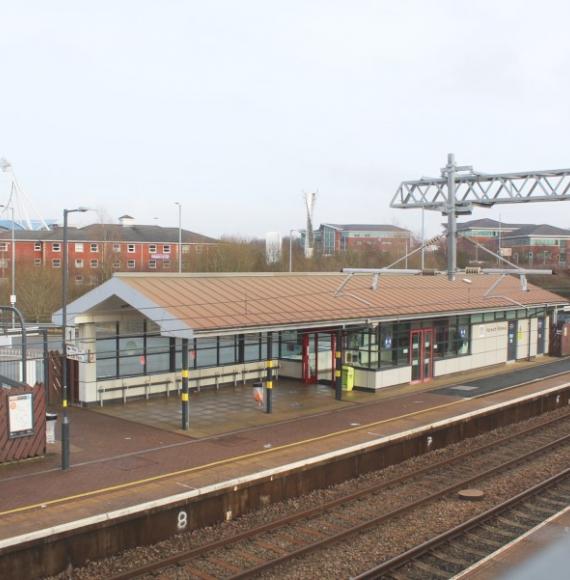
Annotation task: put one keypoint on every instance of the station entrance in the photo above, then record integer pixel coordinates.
(317, 357)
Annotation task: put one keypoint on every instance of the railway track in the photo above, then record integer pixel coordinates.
(452, 552)
(259, 549)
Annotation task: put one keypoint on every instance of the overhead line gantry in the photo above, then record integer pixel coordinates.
(460, 188)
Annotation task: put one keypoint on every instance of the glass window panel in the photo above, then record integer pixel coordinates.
(206, 352)
(131, 365)
(106, 368)
(291, 344)
(131, 346)
(402, 352)
(228, 351)
(325, 342)
(158, 363)
(106, 348)
(386, 344)
(251, 347)
(462, 339)
(441, 338)
(156, 344)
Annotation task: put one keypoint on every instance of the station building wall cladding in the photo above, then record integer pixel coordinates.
(131, 359)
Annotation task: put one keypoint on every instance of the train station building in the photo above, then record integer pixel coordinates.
(391, 330)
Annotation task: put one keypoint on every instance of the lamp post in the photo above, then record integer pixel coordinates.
(291, 249)
(179, 235)
(13, 251)
(65, 388)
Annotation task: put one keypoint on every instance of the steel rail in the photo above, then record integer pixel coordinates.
(396, 512)
(413, 553)
(193, 553)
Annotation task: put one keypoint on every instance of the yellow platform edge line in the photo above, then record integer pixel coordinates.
(188, 470)
(261, 452)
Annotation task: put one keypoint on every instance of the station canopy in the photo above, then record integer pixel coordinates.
(188, 305)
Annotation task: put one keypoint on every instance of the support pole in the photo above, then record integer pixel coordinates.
(451, 218)
(65, 389)
(423, 239)
(46, 363)
(269, 381)
(184, 395)
(338, 366)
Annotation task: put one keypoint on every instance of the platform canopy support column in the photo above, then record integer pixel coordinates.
(185, 399)
(338, 366)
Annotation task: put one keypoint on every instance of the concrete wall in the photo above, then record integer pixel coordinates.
(371, 379)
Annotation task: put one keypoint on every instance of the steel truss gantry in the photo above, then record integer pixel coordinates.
(460, 188)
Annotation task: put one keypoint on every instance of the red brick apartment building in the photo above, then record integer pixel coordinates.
(97, 250)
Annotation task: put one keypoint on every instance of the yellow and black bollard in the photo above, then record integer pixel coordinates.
(269, 380)
(184, 396)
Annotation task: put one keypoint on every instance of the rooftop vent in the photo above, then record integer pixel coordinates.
(127, 220)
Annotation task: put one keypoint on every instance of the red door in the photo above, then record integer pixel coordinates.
(421, 354)
(310, 358)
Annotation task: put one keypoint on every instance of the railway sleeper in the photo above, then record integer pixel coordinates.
(466, 546)
(555, 503)
(445, 557)
(477, 535)
(271, 547)
(508, 535)
(432, 571)
(442, 563)
(532, 514)
(505, 520)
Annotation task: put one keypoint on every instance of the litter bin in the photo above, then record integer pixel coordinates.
(347, 378)
(258, 393)
(51, 420)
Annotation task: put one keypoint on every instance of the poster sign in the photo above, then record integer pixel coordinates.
(20, 414)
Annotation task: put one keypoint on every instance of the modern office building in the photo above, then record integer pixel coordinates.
(335, 238)
(525, 244)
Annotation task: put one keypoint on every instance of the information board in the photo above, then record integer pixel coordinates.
(20, 414)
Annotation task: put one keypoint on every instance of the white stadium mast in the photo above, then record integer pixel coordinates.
(23, 207)
(309, 234)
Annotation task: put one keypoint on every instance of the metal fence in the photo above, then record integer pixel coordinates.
(11, 364)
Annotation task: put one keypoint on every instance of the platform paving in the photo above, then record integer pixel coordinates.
(118, 463)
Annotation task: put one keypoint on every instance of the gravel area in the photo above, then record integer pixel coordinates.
(366, 549)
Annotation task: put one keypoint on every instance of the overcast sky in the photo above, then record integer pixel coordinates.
(234, 108)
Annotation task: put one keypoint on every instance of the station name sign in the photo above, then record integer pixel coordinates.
(73, 352)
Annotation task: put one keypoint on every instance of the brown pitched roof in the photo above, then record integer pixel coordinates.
(208, 302)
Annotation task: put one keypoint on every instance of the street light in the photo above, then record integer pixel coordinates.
(13, 294)
(65, 389)
(179, 236)
(291, 249)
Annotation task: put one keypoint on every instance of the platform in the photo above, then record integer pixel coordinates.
(122, 465)
(543, 552)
